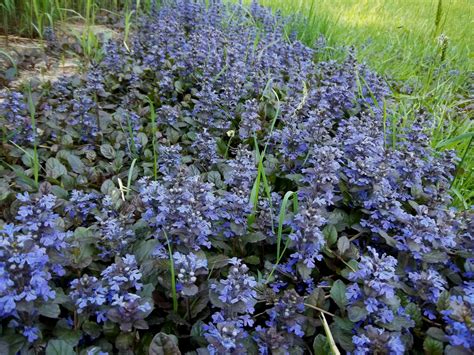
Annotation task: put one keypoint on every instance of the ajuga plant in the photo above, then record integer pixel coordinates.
(269, 195)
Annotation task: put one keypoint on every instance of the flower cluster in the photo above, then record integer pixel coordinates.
(377, 305)
(189, 267)
(82, 204)
(114, 296)
(14, 119)
(37, 217)
(459, 317)
(114, 230)
(236, 294)
(307, 238)
(25, 279)
(182, 210)
(225, 336)
(216, 143)
(236, 297)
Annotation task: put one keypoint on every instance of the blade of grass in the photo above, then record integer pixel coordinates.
(172, 274)
(153, 138)
(281, 219)
(327, 330)
(280, 229)
(130, 175)
(36, 164)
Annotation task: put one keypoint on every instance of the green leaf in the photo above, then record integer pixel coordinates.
(356, 313)
(217, 261)
(164, 344)
(215, 178)
(253, 237)
(388, 239)
(343, 245)
(327, 330)
(330, 233)
(321, 345)
(415, 313)
(54, 168)
(436, 333)
(457, 350)
(49, 310)
(4, 347)
(317, 298)
(338, 294)
(398, 323)
(461, 137)
(339, 219)
(179, 86)
(432, 346)
(69, 336)
(199, 303)
(75, 163)
(435, 257)
(342, 336)
(92, 329)
(304, 270)
(124, 341)
(14, 343)
(5, 190)
(144, 249)
(252, 260)
(59, 347)
(107, 151)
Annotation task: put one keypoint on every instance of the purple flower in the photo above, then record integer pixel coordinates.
(87, 293)
(184, 209)
(287, 313)
(81, 204)
(307, 239)
(31, 333)
(225, 336)
(17, 125)
(236, 294)
(188, 268)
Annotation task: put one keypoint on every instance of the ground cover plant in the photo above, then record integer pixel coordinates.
(422, 48)
(215, 186)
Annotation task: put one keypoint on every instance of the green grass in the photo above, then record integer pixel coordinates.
(31, 17)
(403, 41)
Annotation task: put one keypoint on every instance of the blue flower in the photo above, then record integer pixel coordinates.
(225, 336)
(31, 333)
(237, 292)
(87, 293)
(377, 340)
(189, 267)
(287, 313)
(81, 204)
(459, 317)
(307, 239)
(25, 279)
(429, 284)
(377, 273)
(17, 119)
(184, 209)
(37, 217)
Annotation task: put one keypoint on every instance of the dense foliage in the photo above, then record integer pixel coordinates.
(217, 188)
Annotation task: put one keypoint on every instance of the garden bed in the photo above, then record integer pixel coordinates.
(211, 185)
